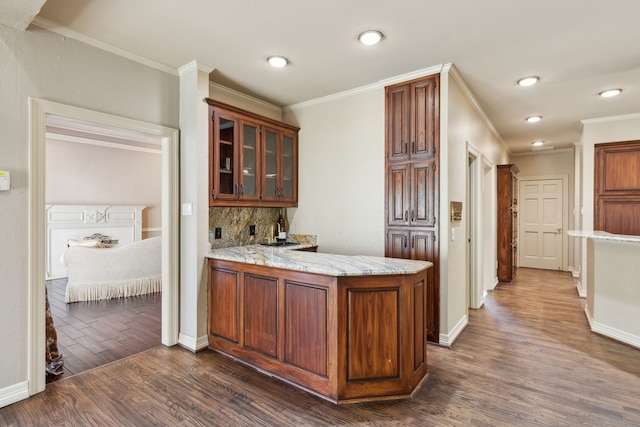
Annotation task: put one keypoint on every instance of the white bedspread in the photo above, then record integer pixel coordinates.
(103, 273)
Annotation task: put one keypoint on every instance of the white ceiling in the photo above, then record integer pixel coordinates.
(577, 47)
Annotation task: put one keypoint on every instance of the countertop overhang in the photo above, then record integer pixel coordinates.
(288, 257)
(603, 235)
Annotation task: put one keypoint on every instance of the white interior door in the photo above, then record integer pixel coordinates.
(541, 215)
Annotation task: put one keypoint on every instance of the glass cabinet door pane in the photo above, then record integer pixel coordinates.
(226, 134)
(287, 167)
(249, 160)
(271, 164)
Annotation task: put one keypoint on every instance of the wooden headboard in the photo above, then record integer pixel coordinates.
(64, 222)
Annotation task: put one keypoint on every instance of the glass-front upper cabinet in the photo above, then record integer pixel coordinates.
(253, 159)
(289, 186)
(248, 179)
(223, 158)
(280, 174)
(271, 175)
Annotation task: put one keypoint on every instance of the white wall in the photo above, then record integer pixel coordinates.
(41, 64)
(462, 123)
(341, 173)
(79, 173)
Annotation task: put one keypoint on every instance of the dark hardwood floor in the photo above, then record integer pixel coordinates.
(94, 333)
(526, 359)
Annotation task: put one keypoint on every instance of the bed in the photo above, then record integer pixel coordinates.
(123, 224)
(96, 273)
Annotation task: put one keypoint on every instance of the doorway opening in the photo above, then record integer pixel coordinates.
(168, 139)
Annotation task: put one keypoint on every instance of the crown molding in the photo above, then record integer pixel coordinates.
(450, 70)
(64, 31)
(632, 116)
(364, 89)
(217, 87)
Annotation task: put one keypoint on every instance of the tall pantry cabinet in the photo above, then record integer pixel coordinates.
(507, 243)
(411, 161)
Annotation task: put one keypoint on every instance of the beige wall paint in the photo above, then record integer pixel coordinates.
(38, 63)
(341, 173)
(84, 174)
(461, 124)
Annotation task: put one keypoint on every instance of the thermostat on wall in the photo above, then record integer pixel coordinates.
(5, 180)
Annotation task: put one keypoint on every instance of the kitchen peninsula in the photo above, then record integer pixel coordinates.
(345, 328)
(613, 288)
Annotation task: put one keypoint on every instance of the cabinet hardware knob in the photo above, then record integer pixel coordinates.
(406, 215)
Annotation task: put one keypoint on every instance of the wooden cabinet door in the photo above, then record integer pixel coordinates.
(398, 122)
(249, 158)
(261, 314)
(423, 195)
(423, 248)
(424, 118)
(288, 158)
(270, 165)
(398, 244)
(398, 187)
(223, 162)
(224, 304)
(617, 192)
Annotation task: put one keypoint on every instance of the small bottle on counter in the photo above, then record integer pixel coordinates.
(282, 228)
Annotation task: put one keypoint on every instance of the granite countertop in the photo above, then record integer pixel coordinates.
(603, 235)
(320, 263)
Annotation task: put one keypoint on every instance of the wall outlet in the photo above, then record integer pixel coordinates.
(218, 233)
(252, 230)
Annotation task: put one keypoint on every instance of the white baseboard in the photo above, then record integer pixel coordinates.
(616, 334)
(582, 293)
(14, 393)
(447, 340)
(191, 343)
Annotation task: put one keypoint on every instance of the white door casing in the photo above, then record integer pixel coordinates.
(169, 138)
(542, 223)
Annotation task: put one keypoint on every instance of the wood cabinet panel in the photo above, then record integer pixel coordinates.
(413, 119)
(398, 194)
(422, 195)
(425, 118)
(224, 302)
(398, 122)
(373, 334)
(412, 188)
(346, 339)
(617, 188)
(620, 216)
(420, 325)
(261, 314)
(306, 327)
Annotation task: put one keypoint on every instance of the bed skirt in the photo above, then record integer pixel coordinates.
(125, 288)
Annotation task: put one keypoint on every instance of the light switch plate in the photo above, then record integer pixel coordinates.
(5, 180)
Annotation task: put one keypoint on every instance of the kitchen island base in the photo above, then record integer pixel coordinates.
(346, 339)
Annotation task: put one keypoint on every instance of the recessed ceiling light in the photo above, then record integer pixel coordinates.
(610, 92)
(528, 81)
(537, 143)
(533, 119)
(277, 61)
(370, 37)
